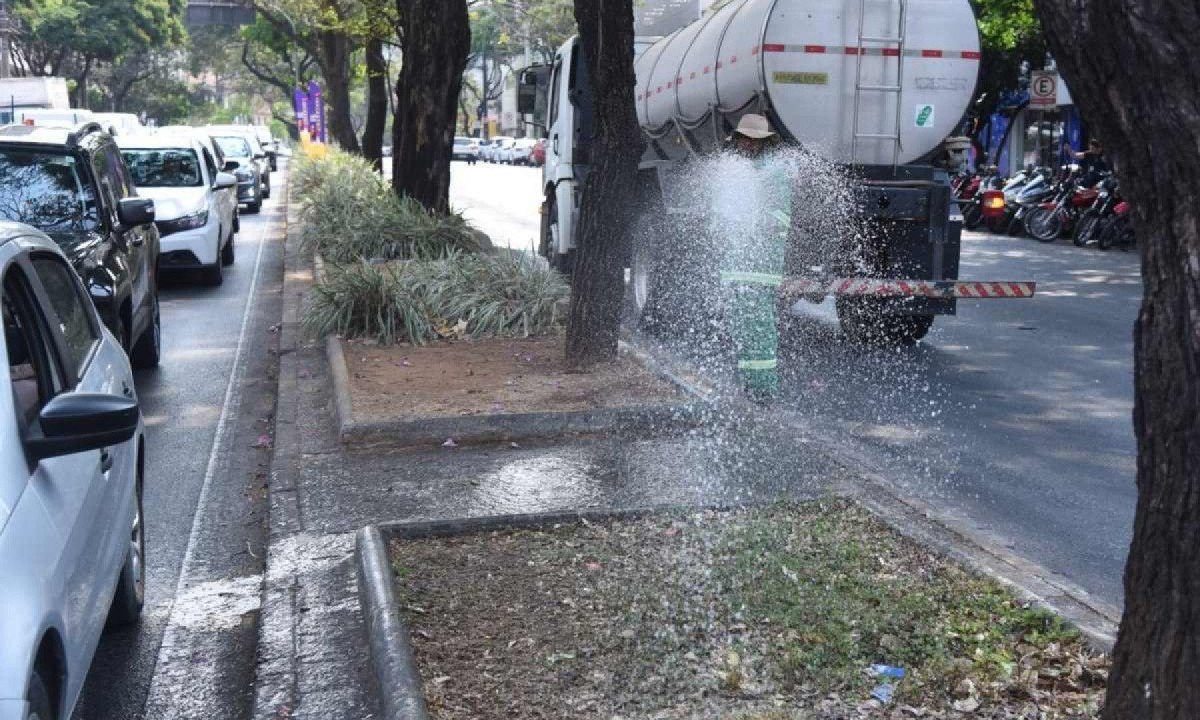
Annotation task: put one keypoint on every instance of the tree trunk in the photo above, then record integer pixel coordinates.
(377, 104)
(334, 58)
(606, 207)
(1133, 70)
(437, 39)
(81, 84)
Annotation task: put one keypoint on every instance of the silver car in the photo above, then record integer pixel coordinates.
(71, 456)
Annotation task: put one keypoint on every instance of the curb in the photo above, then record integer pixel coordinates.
(401, 692)
(507, 427)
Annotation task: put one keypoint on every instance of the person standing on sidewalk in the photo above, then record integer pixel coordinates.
(755, 242)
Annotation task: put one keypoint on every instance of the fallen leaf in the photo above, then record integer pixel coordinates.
(264, 441)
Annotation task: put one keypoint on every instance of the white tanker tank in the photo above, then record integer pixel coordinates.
(869, 82)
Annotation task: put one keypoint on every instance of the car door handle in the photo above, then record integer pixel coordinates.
(555, 143)
(106, 460)
(137, 241)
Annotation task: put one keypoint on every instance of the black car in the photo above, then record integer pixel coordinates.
(72, 184)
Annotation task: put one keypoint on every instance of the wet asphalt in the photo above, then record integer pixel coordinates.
(219, 491)
(1015, 415)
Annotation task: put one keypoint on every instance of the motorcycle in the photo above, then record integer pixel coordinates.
(1038, 190)
(1118, 230)
(1050, 220)
(999, 223)
(1087, 230)
(970, 197)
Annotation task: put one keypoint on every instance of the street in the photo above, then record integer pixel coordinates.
(1014, 416)
(206, 409)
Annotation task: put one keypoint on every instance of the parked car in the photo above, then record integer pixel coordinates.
(498, 147)
(465, 148)
(72, 449)
(195, 202)
(538, 155)
(120, 124)
(73, 185)
(239, 161)
(257, 160)
(518, 153)
(269, 145)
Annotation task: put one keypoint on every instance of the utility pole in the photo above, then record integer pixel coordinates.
(5, 69)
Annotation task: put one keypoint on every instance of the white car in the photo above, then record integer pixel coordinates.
(251, 156)
(518, 153)
(465, 148)
(72, 449)
(497, 149)
(194, 203)
(117, 124)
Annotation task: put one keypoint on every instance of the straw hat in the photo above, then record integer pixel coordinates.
(754, 126)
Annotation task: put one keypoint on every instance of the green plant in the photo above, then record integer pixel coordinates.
(460, 295)
(349, 212)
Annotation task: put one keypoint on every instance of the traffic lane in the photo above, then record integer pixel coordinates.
(181, 402)
(1015, 413)
(503, 201)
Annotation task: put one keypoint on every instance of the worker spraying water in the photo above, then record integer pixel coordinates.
(753, 262)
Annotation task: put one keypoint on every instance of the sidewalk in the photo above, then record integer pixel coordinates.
(312, 649)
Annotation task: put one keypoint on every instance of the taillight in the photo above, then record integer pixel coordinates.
(993, 203)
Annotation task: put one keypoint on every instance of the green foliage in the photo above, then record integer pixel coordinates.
(461, 295)
(505, 26)
(102, 29)
(1011, 34)
(350, 213)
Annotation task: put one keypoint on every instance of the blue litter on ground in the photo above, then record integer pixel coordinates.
(883, 693)
(888, 671)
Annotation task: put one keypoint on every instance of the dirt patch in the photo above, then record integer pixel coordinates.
(484, 377)
(752, 615)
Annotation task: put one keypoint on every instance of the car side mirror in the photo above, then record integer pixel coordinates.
(135, 211)
(77, 422)
(224, 181)
(260, 156)
(230, 166)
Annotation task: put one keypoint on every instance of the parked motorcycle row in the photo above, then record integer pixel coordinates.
(1046, 204)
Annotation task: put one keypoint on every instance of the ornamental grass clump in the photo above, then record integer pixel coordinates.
(462, 295)
(349, 212)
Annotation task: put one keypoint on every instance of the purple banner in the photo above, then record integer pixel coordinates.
(316, 127)
(300, 103)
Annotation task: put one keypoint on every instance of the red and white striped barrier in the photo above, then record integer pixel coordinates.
(876, 287)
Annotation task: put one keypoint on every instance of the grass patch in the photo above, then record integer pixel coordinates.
(462, 295)
(757, 614)
(350, 213)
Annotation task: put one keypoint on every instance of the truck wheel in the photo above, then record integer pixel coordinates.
(864, 323)
(548, 241)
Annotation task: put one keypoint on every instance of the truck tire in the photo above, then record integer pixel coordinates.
(564, 263)
(863, 322)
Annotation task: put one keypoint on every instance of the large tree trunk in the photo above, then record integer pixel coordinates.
(334, 51)
(1133, 69)
(437, 39)
(377, 103)
(606, 208)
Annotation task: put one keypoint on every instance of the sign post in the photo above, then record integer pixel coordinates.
(316, 125)
(1043, 89)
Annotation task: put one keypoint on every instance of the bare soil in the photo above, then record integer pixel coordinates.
(489, 376)
(765, 614)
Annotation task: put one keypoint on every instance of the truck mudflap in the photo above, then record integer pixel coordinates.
(890, 287)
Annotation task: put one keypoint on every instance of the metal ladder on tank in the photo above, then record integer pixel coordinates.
(860, 88)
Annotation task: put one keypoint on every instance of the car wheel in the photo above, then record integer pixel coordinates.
(148, 350)
(213, 275)
(237, 222)
(227, 252)
(131, 583)
(266, 187)
(254, 207)
(38, 698)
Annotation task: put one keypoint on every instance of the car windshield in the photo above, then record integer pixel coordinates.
(233, 146)
(462, 141)
(45, 190)
(173, 167)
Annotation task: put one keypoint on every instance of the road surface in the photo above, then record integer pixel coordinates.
(205, 409)
(1015, 415)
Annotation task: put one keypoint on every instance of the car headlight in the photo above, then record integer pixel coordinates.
(187, 222)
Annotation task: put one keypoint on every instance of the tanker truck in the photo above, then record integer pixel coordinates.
(875, 87)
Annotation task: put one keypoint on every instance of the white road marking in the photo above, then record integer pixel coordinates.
(185, 680)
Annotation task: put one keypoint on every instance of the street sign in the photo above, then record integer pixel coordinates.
(1043, 89)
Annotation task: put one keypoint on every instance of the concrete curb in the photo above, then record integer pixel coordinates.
(401, 692)
(506, 427)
